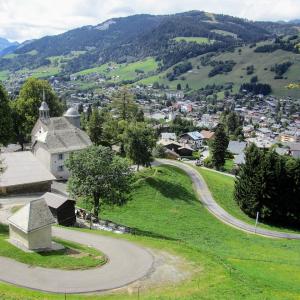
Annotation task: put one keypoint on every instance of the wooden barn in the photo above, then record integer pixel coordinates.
(62, 208)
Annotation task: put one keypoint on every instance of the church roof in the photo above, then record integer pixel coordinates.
(72, 112)
(33, 216)
(59, 135)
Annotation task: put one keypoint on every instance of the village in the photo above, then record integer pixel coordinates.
(148, 152)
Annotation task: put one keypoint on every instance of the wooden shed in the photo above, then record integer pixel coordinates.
(62, 208)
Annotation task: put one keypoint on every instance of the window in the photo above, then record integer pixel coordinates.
(60, 168)
(60, 156)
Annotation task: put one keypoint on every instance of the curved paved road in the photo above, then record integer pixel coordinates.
(209, 202)
(127, 263)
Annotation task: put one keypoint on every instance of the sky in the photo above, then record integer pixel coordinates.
(22, 20)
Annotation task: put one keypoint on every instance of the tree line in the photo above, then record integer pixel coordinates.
(269, 183)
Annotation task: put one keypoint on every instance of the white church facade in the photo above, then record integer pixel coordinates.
(53, 139)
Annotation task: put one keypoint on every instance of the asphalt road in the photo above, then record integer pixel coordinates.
(126, 264)
(214, 208)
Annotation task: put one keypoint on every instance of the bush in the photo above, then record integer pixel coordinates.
(208, 162)
(159, 151)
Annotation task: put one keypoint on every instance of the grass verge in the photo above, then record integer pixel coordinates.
(222, 189)
(73, 257)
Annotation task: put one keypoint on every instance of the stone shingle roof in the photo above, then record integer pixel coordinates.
(33, 216)
(59, 135)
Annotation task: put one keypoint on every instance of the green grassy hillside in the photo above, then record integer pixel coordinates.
(120, 72)
(227, 263)
(262, 62)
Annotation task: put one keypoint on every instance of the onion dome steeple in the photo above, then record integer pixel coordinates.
(44, 109)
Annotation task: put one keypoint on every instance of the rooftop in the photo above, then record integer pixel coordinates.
(23, 168)
(33, 216)
(54, 200)
(59, 135)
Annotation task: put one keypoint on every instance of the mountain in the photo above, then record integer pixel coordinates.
(293, 22)
(296, 22)
(140, 36)
(4, 43)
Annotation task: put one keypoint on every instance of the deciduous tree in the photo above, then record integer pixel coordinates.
(139, 141)
(26, 107)
(100, 175)
(6, 131)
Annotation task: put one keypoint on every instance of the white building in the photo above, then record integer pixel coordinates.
(30, 227)
(53, 139)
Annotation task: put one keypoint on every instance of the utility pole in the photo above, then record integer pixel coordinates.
(256, 222)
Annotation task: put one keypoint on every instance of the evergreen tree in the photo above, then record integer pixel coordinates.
(95, 127)
(219, 147)
(125, 106)
(89, 112)
(248, 183)
(80, 108)
(140, 117)
(6, 122)
(269, 184)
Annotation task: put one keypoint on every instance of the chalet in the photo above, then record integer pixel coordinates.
(171, 145)
(185, 150)
(193, 139)
(207, 135)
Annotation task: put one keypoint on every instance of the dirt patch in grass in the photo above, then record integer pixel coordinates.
(167, 270)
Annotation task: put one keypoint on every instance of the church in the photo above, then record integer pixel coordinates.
(53, 139)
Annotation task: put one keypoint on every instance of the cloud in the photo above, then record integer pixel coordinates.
(22, 20)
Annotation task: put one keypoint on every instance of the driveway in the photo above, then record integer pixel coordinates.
(127, 263)
(208, 201)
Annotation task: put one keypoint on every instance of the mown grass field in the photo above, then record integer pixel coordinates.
(3, 75)
(42, 72)
(230, 264)
(198, 40)
(119, 72)
(225, 33)
(73, 257)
